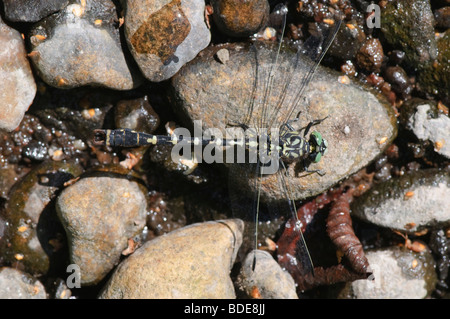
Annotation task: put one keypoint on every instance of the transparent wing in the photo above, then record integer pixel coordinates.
(303, 259)
(274, 99)
(315, 48)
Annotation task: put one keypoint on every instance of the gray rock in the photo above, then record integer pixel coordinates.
(163, 35)
(407, 203)
(31, 10)
(270, 280)
(191, 262)
(80, 45)
(437, 130)
(18, 87)
(99, 215)
(358, 128)
(15, 284)
(398, 273)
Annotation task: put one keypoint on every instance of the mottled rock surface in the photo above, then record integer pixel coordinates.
(240, 18)
(407, 203)
(15, 284)
(191, 262)
(163, 35)
(268, 280)
(80, 45)
(410, 26)
(31, 10)
(435, 129)
(18, 87)
(398, 273)
(99, 215)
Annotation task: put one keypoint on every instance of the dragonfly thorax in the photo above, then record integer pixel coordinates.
(293, 146)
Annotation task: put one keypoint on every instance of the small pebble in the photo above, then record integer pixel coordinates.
(370, 56)
(268, 278)
(240, 18)
(163, 36)
(32, 235)
(15, 284)
(399, 80)
(398, 273)
(69, 50)
(436, 129)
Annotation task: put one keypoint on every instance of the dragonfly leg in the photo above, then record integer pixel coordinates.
(242, 126)
(305, 169)
(311, 124)
(288, 123)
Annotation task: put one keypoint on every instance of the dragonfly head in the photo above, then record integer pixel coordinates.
(318, 147)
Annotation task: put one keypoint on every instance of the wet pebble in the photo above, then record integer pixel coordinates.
(370, 56)
(348, 42)
(399, 80)
(191, 262)
(240, 18)
(33, 234)
(80, 45)
(398, 273)
(408, 203)
(218, 94)
(99, 215)
(18, 87)
(396, 57)
(163, 35)
(423, 119)
(35, 150)
(15, 284)
(31, 10)
(267, 280)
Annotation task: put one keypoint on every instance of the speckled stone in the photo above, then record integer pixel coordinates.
(240, 18)
(18, 87)
(31, 10)
(163, 35)
(80, 45)
(99, 215)
(190, 262)
(398, 273)
(15, 284)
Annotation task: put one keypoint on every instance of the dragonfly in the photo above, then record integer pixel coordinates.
(286, 146)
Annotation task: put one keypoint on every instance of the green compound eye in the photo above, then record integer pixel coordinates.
(317, 137)
(317, 158)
